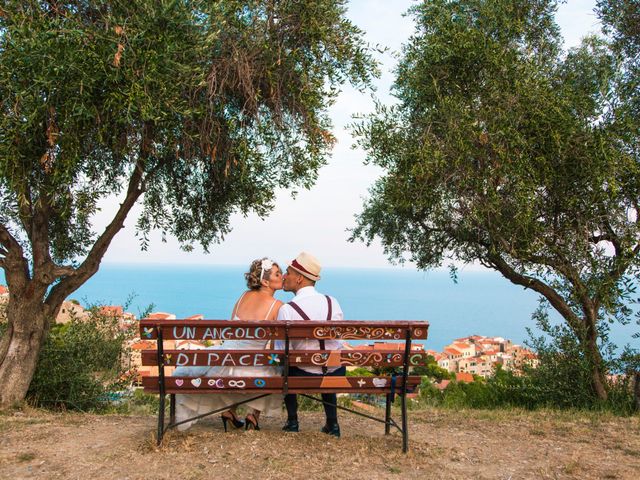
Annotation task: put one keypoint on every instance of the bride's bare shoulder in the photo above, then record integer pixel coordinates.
(274, 311)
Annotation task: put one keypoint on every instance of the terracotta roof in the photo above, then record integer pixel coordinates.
(464, 377)
(388, 346)
(158, 316)
(470, 337)
(443, 384)
(452, 351)
(436, 355)
(143, 345)
(197, 316)
(397, 346)
(3, 290)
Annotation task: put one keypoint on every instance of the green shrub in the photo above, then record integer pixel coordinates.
(80, 363)
(536, 388)
(563, 377)
(432, 370)
(360, 372)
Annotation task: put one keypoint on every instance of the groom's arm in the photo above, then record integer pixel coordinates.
(337, 311)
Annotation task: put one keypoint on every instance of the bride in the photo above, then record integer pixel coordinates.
(264, 278)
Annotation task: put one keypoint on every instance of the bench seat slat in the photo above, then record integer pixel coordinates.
(311, 391)
(211, 385)
(334, 358)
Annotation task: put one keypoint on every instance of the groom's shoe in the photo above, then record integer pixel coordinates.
(291, 426)
(331, 430)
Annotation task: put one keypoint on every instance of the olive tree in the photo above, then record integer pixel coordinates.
(195, 109)
(506, 150)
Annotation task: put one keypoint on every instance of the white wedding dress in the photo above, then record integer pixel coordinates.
(188, 406)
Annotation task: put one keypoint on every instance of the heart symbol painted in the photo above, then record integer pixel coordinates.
(212, 382)
(379, 382)
(196, 382)
(179, 382)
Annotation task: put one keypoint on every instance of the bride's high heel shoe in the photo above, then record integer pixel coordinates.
(251, 422)
(229, 416)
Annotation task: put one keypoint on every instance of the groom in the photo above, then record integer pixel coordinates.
(301, 277)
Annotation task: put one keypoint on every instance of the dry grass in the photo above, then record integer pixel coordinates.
(444, 444)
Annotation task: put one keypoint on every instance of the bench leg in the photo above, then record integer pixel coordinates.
(160, 419)
(405, 431)
(387, 415)
(172, 409)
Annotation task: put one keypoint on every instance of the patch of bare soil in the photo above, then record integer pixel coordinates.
(443, 444)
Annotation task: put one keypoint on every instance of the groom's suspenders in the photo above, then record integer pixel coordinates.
(304, 316)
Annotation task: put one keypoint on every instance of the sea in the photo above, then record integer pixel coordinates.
(479, 303)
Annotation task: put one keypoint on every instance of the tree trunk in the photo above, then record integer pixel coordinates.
(584, 328)
(590, 344)
(598, 382)
(28, 324)
(636, 390)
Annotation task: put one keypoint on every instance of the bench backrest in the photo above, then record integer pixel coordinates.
(395, 355)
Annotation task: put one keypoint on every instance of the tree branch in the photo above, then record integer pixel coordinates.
(39, 237)
(610, 235)
(15, 265)
(562, 267)
(8, 241)
(497, 262)
(64, 271)
(622, 262)
(91, 263)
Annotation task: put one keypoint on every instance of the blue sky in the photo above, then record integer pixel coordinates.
(317, 220)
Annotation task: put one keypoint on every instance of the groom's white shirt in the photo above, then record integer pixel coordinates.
(314, 304)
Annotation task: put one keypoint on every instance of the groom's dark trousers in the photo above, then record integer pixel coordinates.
(291, 400)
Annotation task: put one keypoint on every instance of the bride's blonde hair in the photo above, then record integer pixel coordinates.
(255, 272)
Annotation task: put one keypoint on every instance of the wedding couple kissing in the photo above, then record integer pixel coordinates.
(264, 278)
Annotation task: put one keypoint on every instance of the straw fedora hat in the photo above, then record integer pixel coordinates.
(307, 265)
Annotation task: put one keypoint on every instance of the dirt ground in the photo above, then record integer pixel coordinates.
(443, 445)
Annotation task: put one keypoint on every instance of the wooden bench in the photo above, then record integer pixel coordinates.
(398, 383)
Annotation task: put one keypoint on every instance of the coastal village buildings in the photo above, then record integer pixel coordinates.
(386, 346)
(71, 309)
(4, 299)
(4, 294)
(478, 355)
